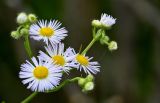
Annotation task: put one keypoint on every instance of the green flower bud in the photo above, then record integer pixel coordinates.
(88, 86)
(15, 35)
(22, 18)
(89, 78)
(112, 46)
(96, 23)
(81, 81)
(24, 31)
(32, 18)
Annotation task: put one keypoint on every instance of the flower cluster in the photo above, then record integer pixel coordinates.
(106, 22)
(45, 71)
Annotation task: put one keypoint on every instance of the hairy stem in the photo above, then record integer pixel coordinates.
(30, 97)
(27, 46)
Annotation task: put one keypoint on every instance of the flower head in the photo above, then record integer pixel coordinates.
(48, 31)
(41, 76)
(107, 20)
(57, 55)
(83, 63)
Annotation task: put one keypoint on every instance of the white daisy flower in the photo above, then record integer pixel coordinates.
(41, 76)
(83, 63)
(56, 54)
(48, 31)
(107, 20)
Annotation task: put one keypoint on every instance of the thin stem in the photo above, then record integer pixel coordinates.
(95, 38)
(89, 45)
(63, 84)
(94, 31)
(27, 46)
(30, 97)
(106, 42)
(29, 52)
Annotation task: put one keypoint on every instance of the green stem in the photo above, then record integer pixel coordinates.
(95, 38)
(29, 52)
(94, 31)
(89, 46)
(63, 84)
(106, 42)
(27, 46)
(29, 98)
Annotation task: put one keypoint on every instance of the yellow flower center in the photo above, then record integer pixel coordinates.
(40, 72)
(46, 31)
(82, 60)
(59, 60)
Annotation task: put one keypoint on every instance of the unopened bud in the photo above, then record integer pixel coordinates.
(81, 81)
(32, 18)
(112, 46)
(22, 18)
(88, 86)
(24, 31)
(89, 78)
(15, 35)
(96, 23)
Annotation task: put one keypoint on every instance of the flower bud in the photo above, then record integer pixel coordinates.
(22, 18)
(89, 78)
(112, 46)
(32, 18)
(81, 81)
(24, 31)
(88, 86)
(96, 23)
(15, 35)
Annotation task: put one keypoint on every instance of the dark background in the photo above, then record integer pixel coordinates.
(129, 75)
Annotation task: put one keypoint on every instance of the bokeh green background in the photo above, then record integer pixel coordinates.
(129, 75)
